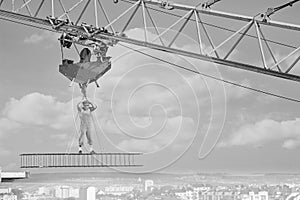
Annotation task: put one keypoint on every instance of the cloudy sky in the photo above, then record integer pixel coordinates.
(181, 121)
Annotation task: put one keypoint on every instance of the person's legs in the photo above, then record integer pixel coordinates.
(89, 139)
(81, 138)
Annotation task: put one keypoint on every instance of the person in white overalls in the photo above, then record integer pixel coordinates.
(85, 109)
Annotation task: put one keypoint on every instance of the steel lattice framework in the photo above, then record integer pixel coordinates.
(63, 160)
(58, 18)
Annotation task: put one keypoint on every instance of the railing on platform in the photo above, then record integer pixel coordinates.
(63, 160)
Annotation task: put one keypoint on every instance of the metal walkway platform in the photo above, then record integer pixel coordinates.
(64, 160)
(11, 176)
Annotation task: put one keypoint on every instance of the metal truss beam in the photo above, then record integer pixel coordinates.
(99, 37)
(75, 160)
(226, 15)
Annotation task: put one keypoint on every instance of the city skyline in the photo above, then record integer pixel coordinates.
(190, 187)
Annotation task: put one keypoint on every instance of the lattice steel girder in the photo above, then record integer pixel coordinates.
(225, 15)
(64, 160)
(79, 30)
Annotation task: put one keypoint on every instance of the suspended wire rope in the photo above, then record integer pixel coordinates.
(76, 132)
(272, 11)
(215, 78)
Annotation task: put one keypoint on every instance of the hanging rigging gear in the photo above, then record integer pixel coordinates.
(65, 40)
(85, 71)
(271, 11)
(166, 5)
(208, 3)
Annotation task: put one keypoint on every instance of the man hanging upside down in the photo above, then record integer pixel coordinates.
(85, 109)
(85, 56)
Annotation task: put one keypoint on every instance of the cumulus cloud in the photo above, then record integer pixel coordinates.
(37, 109)
(33, 39)
(37, 38)
(291, 144)
(38, 113)
(266, 131)
(7, 125)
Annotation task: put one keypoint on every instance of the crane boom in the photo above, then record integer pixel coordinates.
(96, 34)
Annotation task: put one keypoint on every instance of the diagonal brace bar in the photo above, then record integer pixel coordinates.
(283, 59)
(39, 8)
(293, 64)
(269, 48)
(63, 7)
(207, 35)
(122, 14)
(154, 25)
(27, 7)
(260, 45)
(131, 17)
(106, 16)
(82, 12)
(144, 20)
(72, 8)
(198, 32)
(238, 41)
(181, 29)
(224, 42)
(164, 32)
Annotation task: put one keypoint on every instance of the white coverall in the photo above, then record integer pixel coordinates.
(85, 116)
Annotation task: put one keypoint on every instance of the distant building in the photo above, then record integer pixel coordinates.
(44, 191)
(62, 192)
(8, 197)
(5, 190)
(88, 193)
(6, 194)
(74, 192)
(149, 184)
(219, 195)
(188, 195)
(262, 195)
(118, 190)
(202, 189)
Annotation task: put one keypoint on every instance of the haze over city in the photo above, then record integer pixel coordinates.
(182, 122)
